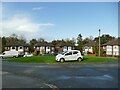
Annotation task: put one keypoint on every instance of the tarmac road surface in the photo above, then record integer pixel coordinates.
(21, 75)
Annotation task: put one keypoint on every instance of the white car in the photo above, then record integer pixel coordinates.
(69, 55)
(28, 55)
(7, 54)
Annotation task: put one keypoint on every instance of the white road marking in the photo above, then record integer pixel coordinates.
(3, 73)
(53, 87)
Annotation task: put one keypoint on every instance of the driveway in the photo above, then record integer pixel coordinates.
(21, 75)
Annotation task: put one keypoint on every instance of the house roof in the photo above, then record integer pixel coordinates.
(91, 43)
(113, 42)
(61, 44)
(44, 44)
(16, 44)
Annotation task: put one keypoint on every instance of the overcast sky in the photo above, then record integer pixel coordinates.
(51, 20)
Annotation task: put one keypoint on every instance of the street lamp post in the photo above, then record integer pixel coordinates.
(99, 42)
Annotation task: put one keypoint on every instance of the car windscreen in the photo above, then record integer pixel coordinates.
(3, 53)
(63, 52)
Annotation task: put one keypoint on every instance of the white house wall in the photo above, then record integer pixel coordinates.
(42, 50)
(115, 50)
(38, 48)
(11, 49)
(65, 48)
(112, 50)
(22, 49)
(89, 49)
(48, 49)
(16, 49)
(69, 48)
(109, 50)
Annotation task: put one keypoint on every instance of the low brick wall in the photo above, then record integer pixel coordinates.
(102, 55)
(91, 54)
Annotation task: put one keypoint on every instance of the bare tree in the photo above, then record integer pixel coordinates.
(41, 40)
(22, 39)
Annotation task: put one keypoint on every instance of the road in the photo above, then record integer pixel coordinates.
(21, 75)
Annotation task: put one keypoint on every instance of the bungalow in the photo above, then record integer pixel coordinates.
(112, 47)
(17, 46)
(63, 46)
(43, 47)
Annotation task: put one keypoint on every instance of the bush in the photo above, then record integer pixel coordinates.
(34, 53)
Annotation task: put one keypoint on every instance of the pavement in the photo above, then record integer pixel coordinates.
(24, 75)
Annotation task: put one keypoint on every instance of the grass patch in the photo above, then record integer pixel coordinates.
(34, 59)
(95, 59)
(51, 59)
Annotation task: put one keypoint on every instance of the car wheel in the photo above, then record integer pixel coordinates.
(79, 59)
(62, 60)
(14, 56)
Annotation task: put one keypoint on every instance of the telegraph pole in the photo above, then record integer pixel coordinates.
(99, 42)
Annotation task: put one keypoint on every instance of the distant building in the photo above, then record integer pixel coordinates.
(16, 46)
(63, 46)
(112, 47)
(88, 48)
(43, 47)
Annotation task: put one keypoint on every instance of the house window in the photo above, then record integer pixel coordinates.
(104, 47)
(6, 48)
(109, 53)
(65, 47)
(21, 47)
(52, 48)
(115, 47)
(13, 47)
(48, 47)
(37, 47)
(109, 47)
(43, 47)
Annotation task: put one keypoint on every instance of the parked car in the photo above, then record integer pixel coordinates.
(54, 53)
(28, 54)
(21, 54)
(69, 55)
(7, 54)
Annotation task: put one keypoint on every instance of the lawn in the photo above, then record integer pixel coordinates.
(51, 59)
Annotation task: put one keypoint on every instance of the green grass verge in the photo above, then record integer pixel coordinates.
(95, 59)
(51, 59)
(34, 59)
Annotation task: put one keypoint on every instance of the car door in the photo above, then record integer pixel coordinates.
(75, 55)
(68, 56)
(5, 55)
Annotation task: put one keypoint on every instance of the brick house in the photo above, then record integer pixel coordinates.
(17, 46)
(43, 47)
(112, 48)
(63, 46)
(88, 48)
